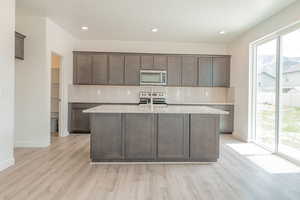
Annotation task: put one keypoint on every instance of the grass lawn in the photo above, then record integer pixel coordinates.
(290, 125)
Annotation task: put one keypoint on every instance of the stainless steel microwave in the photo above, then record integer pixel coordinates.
(153, 77)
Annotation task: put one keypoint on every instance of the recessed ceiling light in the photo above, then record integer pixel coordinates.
(84, 28)
(222, 32)
(154, 30)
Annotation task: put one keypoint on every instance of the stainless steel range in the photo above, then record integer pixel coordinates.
(150, 97)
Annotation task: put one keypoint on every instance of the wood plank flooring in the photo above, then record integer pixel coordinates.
(63, 171)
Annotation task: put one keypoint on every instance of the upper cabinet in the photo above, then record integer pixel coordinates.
(189, 71)
(91, 68)
(160, 62)
(154, 62)
(132, 69)
(19, 45)
(83, 69)
(116, 69)
(205, 69)
(174, 71)
(147, 61)
(100, 69)
(221, 71)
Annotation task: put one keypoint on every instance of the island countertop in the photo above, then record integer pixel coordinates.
(172, 109)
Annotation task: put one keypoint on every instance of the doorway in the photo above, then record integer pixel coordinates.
(276, 93)
(55, 94)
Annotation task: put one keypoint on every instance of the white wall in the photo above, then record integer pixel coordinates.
(7, 83)
(62, 43)
(33, 79)
(239, 50)
(151, 47)
(32, 112)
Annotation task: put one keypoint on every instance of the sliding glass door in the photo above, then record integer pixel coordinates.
(289, 134)
(276, 99)
(266, 77)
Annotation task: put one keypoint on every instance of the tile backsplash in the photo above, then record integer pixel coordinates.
(130, 94)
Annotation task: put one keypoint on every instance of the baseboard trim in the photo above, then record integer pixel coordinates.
(238, 137)
(6, 163)
(31, 144)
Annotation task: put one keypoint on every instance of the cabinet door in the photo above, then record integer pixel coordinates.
(174, 70)
(173, 136)
(116, 69)
(189, 71)
(204, 141)
(106, 137)
(132, 69)
(160, 62)
(100, 66)
(147, 62)
(83, 69)
(226, 121)
(140, 136)
(221, 71)
(80, 121)
(205, 72)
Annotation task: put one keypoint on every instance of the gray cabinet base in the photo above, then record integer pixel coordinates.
(154, 137)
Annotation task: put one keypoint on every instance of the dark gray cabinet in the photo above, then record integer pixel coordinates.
(174, 70)
(19, 45)
(83, 69)
(204, 145)
(147, 61)
(92, 68)
(173, 137)
(132, 69)
(189, 71)
(100, 69)
(108, 145)
(79, 122)
(205, 71)
(221, 71)
(116, 70)
(140, 136)
(160, 62)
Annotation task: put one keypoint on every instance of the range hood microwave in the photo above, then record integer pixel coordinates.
(153, 77)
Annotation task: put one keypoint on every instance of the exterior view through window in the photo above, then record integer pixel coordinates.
(289, 134)
(277, 94)
(266, 94)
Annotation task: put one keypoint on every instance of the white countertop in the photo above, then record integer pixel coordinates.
(156, 109)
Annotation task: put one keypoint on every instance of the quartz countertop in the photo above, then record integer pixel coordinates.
(172, 109)
(169, 103)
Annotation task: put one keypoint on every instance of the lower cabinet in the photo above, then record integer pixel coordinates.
(154, 137)
(204, 145)
(79, 122)
(226, 121)
(173, 137)
(108, 144)
(140, 136)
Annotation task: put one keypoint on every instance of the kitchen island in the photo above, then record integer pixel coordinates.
(145, 133)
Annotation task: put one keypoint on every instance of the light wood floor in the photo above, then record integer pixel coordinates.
(63, 171)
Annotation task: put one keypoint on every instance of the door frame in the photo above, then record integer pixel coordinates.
(61, 94)
(252, 83)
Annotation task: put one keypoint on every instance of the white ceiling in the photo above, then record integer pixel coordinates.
(177, 20)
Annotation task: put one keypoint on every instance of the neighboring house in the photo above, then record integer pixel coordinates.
(290, 76)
